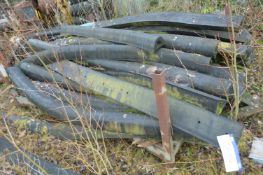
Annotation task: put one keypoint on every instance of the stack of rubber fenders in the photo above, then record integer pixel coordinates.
(99, 74)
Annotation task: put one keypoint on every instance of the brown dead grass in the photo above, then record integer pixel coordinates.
(126, 158)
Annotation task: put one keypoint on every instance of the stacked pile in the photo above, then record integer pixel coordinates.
(99, 74)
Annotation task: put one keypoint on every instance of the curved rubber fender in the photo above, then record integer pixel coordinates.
(188, 118)
(192, 44)
(63, 131)
(81, 52)
(179, 91)
(79, 99)
(181, 59)
(48, 33)
(140, 40)
(39, 73)
(179, 19)
(79, 41)
(115, 52)
(39, 44)
(130, 54)
(15, 158)
(127, 53)
(111, 121)
(203, 82)
(242, 36)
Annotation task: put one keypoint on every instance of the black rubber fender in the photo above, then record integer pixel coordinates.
(136, 124)
(140, 40)
(178, 19)
(15, 158)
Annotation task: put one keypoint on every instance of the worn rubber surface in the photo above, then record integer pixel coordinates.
(15, 158)
(180, 19)
(179, 91)
(42, 45)
(61, 130)
(48, 33)
(242, 51)
(39, 45)
(187, 118)
(202, 82)
(179, 58)
(203, 46)
(187, 94)
(190, 61)
(78, 98)
(140, 40)
(242, 36)
(39, 73)
(79, 41)
(82, 52)
(135, 124)
(216, 71)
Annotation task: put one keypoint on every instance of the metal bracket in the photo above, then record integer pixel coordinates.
(158, 150)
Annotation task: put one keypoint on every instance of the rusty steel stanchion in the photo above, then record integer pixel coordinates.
(163, 111)
(170, 146)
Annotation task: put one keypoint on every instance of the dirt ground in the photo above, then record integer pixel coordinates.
(121, 156)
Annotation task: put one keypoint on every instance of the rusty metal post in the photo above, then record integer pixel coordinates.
(158, 81)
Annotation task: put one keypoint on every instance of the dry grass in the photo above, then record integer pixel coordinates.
(120, 156)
